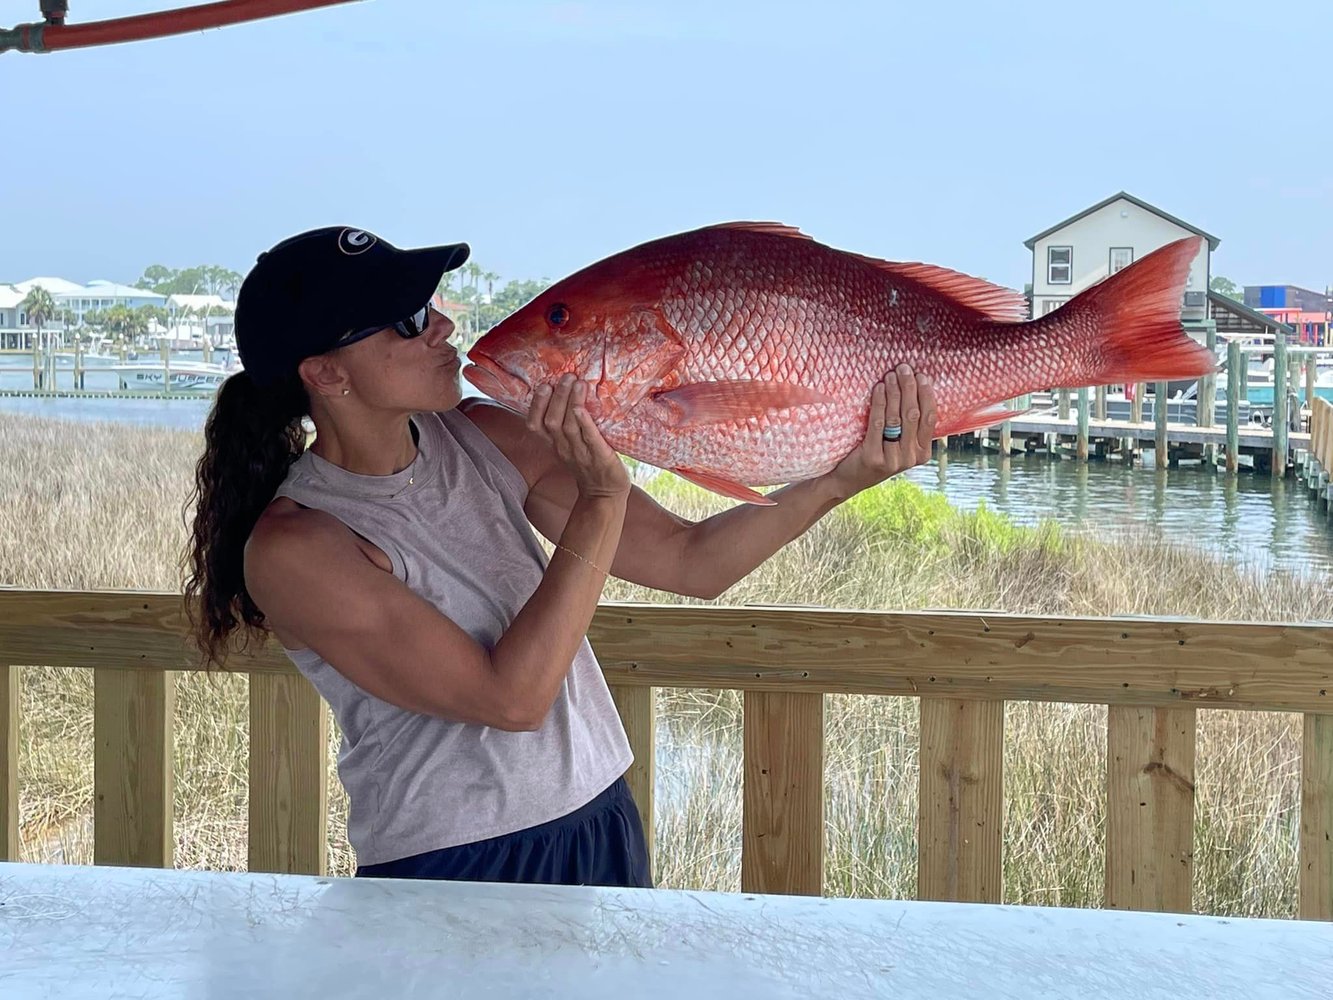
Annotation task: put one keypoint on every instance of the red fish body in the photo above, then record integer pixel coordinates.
(744, 354)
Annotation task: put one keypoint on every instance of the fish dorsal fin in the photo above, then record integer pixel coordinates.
(987, 300)
(772, 228)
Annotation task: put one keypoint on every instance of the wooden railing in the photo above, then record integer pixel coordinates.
(1154, 674)
(1320, 463)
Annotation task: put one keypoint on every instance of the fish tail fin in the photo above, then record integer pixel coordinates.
(1126, 328)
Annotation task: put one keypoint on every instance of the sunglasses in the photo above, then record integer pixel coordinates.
(412, 326)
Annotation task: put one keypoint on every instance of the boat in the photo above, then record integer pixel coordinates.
(183, 376)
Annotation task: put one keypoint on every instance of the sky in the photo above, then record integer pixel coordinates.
(551, 134)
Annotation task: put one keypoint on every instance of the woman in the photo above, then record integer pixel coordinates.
(394, 560)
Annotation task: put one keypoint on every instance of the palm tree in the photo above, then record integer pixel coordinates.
(40, 307)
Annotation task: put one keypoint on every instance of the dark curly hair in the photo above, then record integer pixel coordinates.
(251, 438)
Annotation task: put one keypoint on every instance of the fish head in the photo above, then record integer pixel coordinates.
(602, 325)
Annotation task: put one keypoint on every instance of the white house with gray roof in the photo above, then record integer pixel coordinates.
(1100, 240)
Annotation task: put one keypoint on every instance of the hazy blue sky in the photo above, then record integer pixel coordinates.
(550, 134)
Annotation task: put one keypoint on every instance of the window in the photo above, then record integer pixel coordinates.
(1059, 265)
(1121, 258)
(1050, 305)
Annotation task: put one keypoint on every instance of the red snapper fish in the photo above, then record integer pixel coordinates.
(744, 354)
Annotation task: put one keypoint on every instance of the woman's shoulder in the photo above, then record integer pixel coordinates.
(509, 433)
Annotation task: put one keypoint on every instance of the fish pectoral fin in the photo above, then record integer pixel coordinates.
(975, 420)
(725, 487)
(734, 399)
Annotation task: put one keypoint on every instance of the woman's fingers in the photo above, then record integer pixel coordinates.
(929, 415)
(875, 419)
(893, 397)
(909, 406)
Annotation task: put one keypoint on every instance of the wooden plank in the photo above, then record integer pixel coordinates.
(1150, 808)
(133, 781)
(288, 776)
(9, 762)
(782, 819)
(639, 717)
(961, 805)
(955, 654)
(1316, 844)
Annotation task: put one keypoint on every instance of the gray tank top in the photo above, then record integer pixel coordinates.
(452, 523)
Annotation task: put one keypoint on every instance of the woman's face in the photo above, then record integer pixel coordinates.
(412, 374)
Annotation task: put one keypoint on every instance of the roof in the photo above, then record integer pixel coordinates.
(1213, 241)
(56, 286)
(186, 301)
(10, 297)
(100, 286)
(1245, 312)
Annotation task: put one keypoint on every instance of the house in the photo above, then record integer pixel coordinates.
(1100, 240)
(99, 294)
(11, 338)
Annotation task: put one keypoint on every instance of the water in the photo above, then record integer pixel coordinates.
(1250, 518)
(1255, 519)
(184, 413)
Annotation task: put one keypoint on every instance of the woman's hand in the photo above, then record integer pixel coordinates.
(904, 399)
(560, 418)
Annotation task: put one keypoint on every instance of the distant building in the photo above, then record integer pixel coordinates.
(1085, 248)
(71, 299)
(1291, 297)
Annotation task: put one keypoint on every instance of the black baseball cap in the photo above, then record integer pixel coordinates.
(313, 288)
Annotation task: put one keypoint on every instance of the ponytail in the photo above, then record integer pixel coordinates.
(251, 438)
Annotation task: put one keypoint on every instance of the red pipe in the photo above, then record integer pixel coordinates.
(52, 37)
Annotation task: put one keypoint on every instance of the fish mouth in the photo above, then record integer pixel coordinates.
(491, 378)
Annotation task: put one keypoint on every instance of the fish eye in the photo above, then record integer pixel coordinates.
(558, 315)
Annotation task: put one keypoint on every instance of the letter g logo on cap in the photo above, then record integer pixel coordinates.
(355, 241)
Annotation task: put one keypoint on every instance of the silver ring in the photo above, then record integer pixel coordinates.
(893, 432)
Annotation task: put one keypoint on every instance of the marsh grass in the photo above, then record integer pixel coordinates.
(99, 506)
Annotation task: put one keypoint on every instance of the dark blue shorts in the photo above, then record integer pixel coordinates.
(600, 843)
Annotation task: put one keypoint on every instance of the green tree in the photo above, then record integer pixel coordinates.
(40, 308)
(1227, 287)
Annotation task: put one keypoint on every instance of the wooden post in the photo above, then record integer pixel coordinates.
(782, 835)
(1316, 844)
(1064, 404)
(1235, 380)
(1280, 411)
(960, 809)
(1082, 447)
(1136, 405)
(1150, 808)
(1160, 411)
(288, 776)
(1205, 403)
(639, 717)
(1311, 375)
(132, 767)
(9, 762)
(1100, 404)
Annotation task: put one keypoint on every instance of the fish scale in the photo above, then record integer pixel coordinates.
(744, 354)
